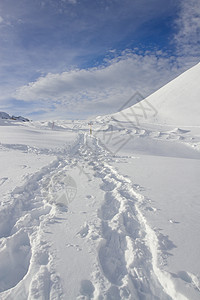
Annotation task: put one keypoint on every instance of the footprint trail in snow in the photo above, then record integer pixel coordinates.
(128, 250)
(124, 250)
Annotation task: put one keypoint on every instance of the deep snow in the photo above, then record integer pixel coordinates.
(112, 215)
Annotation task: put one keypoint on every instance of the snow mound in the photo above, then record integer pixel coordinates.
(180, 131)
(177, 103)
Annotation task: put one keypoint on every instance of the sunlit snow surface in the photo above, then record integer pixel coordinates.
(108, 215)
(98, 216)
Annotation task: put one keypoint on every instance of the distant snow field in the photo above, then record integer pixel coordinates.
(109, 215)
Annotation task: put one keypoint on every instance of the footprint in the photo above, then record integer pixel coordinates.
(87, 289)
(3, 180)
(42, 257)
(113, 293)
(189, 278)
(149, 208)
(41, 285)
(111, 255)
(15, 254)
(184, 276)
(165, 243)
(77, 247)
(84, 231)
(110, 207)
(108, 184)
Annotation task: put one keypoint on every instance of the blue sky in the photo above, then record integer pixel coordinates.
(79, 58)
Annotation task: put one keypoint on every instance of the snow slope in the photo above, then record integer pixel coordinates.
(113, 215)
(177, 103)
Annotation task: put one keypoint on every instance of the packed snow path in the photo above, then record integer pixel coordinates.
(128, 252)
(115, 245)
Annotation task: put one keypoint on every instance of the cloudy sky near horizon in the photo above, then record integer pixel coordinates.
(79, 58)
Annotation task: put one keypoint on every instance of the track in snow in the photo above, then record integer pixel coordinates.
(26, 265)
(128, 250)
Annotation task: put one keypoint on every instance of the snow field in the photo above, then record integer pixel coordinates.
(57, 245)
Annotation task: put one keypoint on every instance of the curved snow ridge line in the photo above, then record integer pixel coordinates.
(151, 239)
(164, 278)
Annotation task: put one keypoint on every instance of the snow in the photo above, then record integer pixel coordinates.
(4, 115)
(172, 210)
(177, 103)
(108, 215)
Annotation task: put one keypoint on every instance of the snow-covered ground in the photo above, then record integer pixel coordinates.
(112, 215)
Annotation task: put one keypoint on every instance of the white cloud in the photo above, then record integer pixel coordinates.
(187, 38)
(72, 1)
(104, 89)
(1, 20)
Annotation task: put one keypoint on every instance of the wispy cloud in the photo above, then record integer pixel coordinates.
(49, 49)
(187, 37)
(102, 89)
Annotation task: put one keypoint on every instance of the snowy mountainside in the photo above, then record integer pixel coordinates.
(6, 116)
(177, 103)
